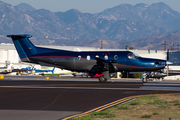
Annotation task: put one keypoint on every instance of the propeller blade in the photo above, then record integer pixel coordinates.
(167, 60)
(167, 55)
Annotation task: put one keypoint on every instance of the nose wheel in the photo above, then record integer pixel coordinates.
(144, 80)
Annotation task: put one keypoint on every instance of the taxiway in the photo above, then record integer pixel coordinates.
(56, 98)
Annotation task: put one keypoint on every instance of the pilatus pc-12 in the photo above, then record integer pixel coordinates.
(101, 62)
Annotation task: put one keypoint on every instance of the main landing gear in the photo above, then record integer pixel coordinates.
(102, 79)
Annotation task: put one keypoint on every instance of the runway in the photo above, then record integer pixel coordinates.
(34, 98)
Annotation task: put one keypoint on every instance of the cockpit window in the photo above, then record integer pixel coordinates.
(132, 56)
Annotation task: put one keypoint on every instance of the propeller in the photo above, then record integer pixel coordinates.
(167, 55)
(167, 62)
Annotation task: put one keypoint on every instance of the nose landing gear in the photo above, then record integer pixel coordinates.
(144, 80)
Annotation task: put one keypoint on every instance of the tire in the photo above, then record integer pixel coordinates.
(102, 79)
(144, 80)
(161, 79)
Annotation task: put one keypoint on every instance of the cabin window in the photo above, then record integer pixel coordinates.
(97, 56)
(88, 57)
(79, 57)
(115, 57)
(106, 57)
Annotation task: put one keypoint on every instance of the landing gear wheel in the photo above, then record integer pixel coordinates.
(144, 80)
(102, 79)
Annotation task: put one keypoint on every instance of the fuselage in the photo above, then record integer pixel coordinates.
(84, 61)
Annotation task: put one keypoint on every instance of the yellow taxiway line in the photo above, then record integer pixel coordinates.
(109, 105)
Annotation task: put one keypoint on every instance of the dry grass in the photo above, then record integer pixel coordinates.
(153, 107)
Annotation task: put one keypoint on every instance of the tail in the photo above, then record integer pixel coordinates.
(24, 46)
(53, 70)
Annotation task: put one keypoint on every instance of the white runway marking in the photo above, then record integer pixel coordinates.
(164, 85)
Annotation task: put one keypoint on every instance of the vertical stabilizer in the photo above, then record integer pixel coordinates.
(24, 46)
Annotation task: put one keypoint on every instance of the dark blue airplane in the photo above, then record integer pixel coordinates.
(101, 62)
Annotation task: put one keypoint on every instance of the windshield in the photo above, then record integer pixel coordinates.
(132, 56)
(136, 55)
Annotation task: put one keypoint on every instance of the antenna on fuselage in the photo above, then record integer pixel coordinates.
(101, 44)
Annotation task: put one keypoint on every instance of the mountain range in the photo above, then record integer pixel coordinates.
(139, 26)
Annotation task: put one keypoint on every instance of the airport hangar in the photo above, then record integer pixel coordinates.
(9, 54)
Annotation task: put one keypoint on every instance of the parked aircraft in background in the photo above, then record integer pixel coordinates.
(93, 62)
(10, 69)
(7, 69)
(153, 75)
(79, 74)
(31, 70)
(160, 74)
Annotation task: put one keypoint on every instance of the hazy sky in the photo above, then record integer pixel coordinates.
(87, 6)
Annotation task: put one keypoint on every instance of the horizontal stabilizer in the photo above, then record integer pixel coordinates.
(16, 37)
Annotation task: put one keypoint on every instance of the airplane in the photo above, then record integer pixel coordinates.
(42, 71)
(32, 70)
(10, 69)
(160, 74)
(92, 62)
(6, 69)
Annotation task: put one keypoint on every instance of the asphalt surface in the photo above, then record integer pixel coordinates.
(39, 98)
